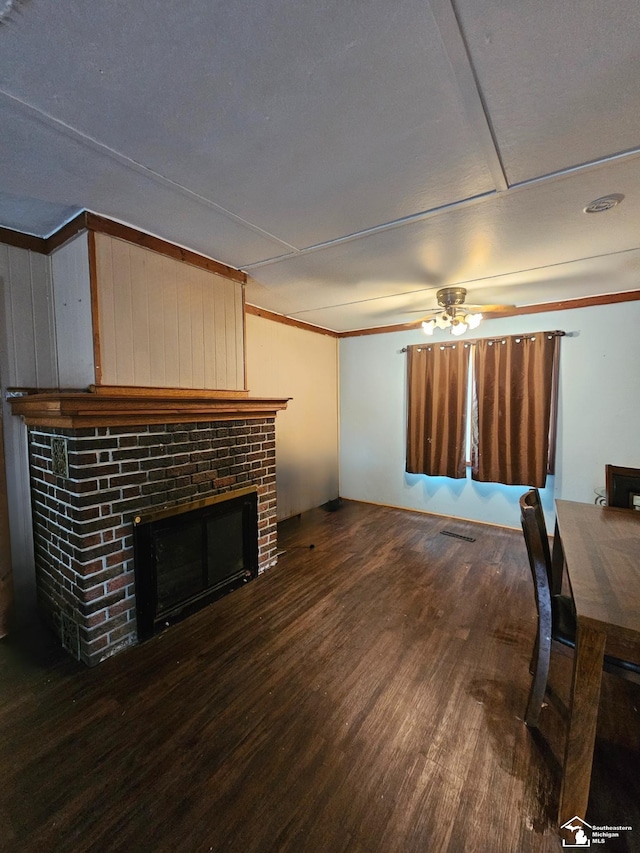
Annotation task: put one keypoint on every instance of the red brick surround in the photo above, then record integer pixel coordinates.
(83, 522)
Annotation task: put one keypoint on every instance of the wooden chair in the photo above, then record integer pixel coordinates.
(622, 484)
(556, 614)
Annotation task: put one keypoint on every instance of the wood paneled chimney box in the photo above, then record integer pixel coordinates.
(101, 457)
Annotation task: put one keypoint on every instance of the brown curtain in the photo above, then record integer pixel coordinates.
(514, 384)
(437, 403)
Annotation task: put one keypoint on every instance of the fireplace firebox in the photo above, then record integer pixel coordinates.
(187, 556)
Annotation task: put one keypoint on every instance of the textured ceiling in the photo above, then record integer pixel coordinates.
(352, 157)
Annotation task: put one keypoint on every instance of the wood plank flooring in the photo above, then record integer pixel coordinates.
(365, 695)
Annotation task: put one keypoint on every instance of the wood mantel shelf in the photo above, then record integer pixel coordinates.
(120, 407)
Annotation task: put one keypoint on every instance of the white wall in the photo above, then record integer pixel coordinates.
(27, 359)
(599, 416)
(36, 312)
(72, 302)
(285, 361)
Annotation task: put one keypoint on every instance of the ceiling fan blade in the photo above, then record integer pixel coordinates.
(488, 309)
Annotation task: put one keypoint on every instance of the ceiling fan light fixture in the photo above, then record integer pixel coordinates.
(473, 320)
(452, 314)
(459, 328)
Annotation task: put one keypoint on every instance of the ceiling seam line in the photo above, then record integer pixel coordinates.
(376, 229)
(549, 177)
(69, 131)
(474, 107)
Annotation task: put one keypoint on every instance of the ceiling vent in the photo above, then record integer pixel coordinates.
(604, 203)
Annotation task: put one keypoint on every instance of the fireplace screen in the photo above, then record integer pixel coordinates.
(186, 557)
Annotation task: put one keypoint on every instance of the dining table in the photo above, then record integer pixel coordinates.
(599, 550)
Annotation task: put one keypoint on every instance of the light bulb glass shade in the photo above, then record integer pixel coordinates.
(443, 321)
(428, 326)
(473, 320)
(459, 329)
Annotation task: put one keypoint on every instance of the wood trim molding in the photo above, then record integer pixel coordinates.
(45, 245)
(289, 321)
(23, 241)
(87, 221)
(163, 247)
(244, 337)
(73, 227)
(381, 330)
(147, 391)
(77, 409)
(582, 302)
(95, 308)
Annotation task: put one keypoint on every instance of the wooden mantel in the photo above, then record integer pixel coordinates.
(118, 406)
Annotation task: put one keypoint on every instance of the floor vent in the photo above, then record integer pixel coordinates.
(458, 535)
(70, 635)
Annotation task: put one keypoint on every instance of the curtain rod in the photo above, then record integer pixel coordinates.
(556, 333)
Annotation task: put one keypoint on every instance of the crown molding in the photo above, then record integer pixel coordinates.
(87, 221)
(289, 321)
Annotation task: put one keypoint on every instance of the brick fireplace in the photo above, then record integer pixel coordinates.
(94, 469)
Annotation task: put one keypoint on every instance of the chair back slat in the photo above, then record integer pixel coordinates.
(532, 499)
(535, 537)
(537, 542)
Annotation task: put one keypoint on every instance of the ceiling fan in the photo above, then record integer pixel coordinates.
(453, 314)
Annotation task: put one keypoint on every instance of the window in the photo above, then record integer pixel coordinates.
(512, 424)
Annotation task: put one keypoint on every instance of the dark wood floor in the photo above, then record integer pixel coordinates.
(364, 695)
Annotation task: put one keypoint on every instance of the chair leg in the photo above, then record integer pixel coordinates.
(539, 680)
